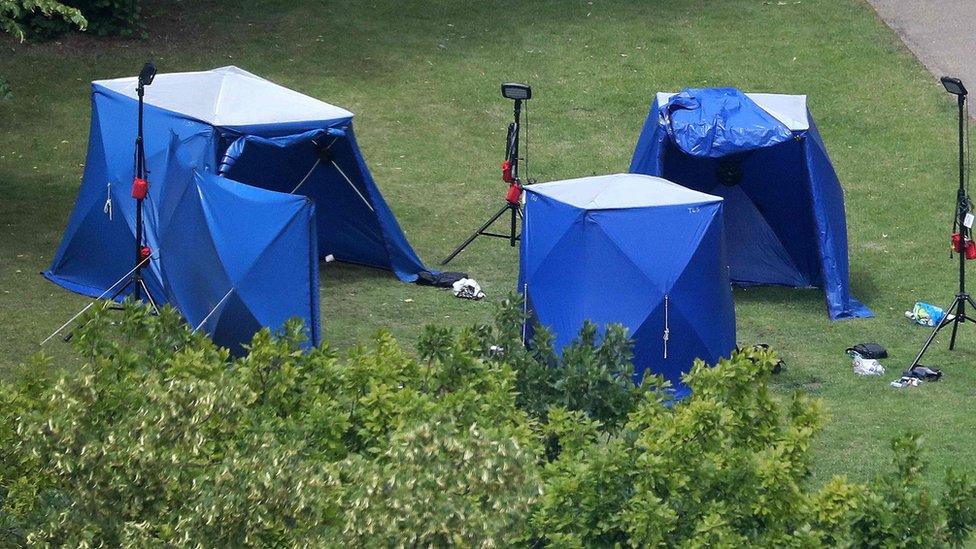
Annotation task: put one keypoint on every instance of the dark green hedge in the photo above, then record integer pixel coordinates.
(105, 18)
(161, 439)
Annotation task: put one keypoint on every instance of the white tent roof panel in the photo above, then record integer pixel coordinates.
(619, 191)
(228, 97)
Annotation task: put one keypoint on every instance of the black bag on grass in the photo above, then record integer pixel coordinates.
(439, 280)
(869, 350)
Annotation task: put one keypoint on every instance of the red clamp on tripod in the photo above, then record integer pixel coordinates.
(510, 175)
(514, 193)
(144, 253)
(140, 188)
(969, 250)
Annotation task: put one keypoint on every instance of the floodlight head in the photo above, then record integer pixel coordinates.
(516, 91)
(953, 85)
(147, 74)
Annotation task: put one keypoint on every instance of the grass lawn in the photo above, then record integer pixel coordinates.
(423, 80)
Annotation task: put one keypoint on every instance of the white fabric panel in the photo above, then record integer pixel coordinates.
(790, 110)
(228, 97)
(619, 191)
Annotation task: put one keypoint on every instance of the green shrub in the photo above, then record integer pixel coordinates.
(161, 438)
(15, 15)
(5, 91)
(593, 375)
(105, 18)
(729, 467)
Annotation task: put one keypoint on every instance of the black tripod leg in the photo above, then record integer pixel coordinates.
(960, 317)
(513, 235)
(119, 292)
(152, 302)
(942, 324)
(474, 235)
(115, 304)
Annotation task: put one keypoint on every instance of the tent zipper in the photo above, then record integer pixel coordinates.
(107, 208)
(667, 328)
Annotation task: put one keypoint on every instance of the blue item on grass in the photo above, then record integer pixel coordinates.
(926, 314)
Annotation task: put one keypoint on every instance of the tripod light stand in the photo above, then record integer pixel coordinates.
(955, 313)
(140, 188)
(510, 174)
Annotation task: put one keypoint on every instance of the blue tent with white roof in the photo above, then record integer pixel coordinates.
(762, 153)
(633, 250)
(251, 183)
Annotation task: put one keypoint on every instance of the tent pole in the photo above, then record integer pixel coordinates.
(338, 169)
(344, 176)
(307, 175)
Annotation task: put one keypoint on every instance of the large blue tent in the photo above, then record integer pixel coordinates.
(633, 250)
(251, 184)
(762, 153)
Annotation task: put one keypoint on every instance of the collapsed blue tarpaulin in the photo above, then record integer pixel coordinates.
(237, 249)
(762, 153)
(633, 250)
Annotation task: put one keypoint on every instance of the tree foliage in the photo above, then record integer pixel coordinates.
(13, 13)
(105, 18)
(162, 438)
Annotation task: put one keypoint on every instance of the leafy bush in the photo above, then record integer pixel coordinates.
(5, 91)
(104, 17)
(161, 438)
(14, 13)
(593, 375)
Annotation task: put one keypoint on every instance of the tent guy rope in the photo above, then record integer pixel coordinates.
(215, 307)
(97, 299)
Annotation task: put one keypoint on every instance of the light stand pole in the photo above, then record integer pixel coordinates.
(962, 223)
(140, 188)
(510, 174)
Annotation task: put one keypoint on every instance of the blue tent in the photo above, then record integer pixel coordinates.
(250, 185)
(633, 250)
(784, 207)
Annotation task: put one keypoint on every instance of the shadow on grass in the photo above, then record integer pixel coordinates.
(864, 287)
(342, 274)
(809, 384)
(806, 298)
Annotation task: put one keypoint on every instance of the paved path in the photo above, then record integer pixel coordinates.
(941, 33)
